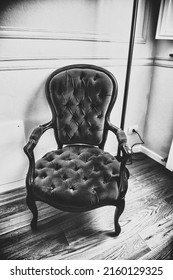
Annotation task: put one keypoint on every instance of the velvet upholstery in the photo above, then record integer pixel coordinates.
(81, 98)
(79, 175)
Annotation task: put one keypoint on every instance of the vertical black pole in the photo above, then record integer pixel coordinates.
(129, 63)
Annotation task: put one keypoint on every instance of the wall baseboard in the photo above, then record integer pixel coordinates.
(163, 62)
(152, 155)
(169, 164)
(12, 185)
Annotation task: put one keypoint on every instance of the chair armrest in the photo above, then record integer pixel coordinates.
(29, 148)
(35, 136)
(122, 141)
(126, 154)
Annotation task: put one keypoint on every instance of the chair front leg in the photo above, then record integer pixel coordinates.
(32, 206)
(118, 211)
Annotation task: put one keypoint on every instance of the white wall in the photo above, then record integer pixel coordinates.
(159, 121)
(40, 36)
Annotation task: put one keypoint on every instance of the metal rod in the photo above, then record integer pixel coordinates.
(129, 61)
(129, 64)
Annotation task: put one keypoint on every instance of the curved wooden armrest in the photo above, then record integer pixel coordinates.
(126, 154)
(122, 141)
(33, 140)
(126, 151)
(29, 148)
(35, 136)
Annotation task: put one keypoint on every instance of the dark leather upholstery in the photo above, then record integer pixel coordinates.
(78, 178)
(80, 98)
(79, 175)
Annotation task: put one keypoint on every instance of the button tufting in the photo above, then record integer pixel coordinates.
(87, 165)
(49, 159)
(104, 181)
(76, 168)
(69, 104)
(75, 118)
(96, 77)
(93, 106)
(96, 168)
(74, 93)
(40, 166)
(82, 75)
(93, 190)
(101, 94)
(43, 173)
(57, 167)
(51, 187)
(69, 159)
(65, 177)
(93, 128)
(84, 91)
(81, 103)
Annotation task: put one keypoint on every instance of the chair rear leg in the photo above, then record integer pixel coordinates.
(32, 206)
(118, 211)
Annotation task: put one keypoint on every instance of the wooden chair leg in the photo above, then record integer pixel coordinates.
(32, 206)
(118, 211)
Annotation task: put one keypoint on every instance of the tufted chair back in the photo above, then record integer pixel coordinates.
(81, 98)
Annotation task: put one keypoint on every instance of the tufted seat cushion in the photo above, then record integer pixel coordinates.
(77, 177)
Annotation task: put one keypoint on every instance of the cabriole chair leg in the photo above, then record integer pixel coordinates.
(118, 211)
(32, 206)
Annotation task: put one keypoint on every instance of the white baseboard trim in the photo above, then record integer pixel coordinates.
(137, 149)
(12, 185)
(169, 164)
(152, 155)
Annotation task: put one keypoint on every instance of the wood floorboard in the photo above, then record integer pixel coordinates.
(24, 244)
(161, 252)
(11, 195)
(146, 223)
(160, 232)
(130, 248)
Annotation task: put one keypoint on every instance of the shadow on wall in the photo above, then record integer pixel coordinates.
(7, 6)
(5, 3)
(37, 110)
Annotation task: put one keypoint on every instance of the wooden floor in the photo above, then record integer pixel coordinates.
(147, 224)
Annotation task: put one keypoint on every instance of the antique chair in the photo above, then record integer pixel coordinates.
(79, 175)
